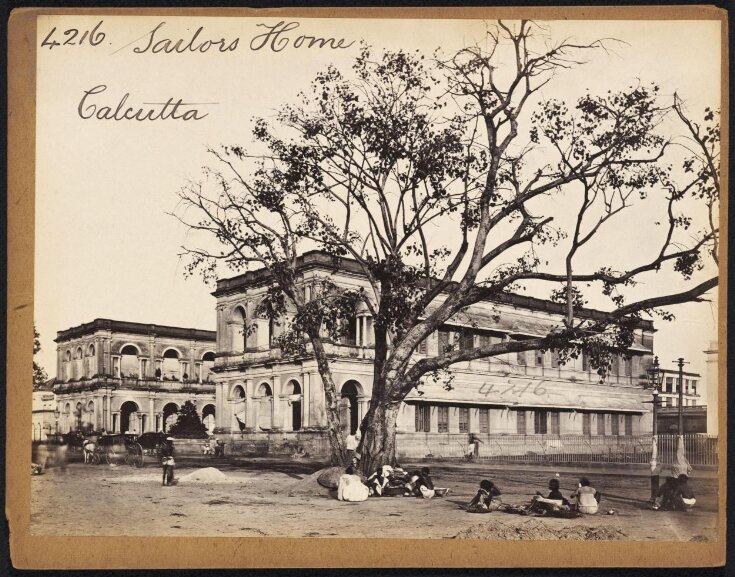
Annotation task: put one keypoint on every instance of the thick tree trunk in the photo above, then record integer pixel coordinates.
(337, 451)
(378, 439)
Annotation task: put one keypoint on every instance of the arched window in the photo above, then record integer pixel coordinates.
(129, 417)
(208, 417)
(129, 366)
(351, 392)
(238, 408)
(293, 390)
(171, 366)
(265, 412)
(206, 366)
(89, 368)
(237, 329)
(170, 415)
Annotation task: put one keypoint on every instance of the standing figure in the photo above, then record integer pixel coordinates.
(167, 461)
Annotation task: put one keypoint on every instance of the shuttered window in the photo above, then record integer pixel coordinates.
(539, 422)
(423, 418)
(629, 425)
(464, 420)
(443, 419)
(554, 422)
(521, 422)
(600, 424)
(586, 424)
(484, 420)
(615, 424)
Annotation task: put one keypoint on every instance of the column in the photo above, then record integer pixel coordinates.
(151, 412)
(108, 412)
(306, 400)
(277, 416)
(251, 406)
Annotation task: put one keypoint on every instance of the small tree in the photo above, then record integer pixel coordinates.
(189, 425)
(39, 375)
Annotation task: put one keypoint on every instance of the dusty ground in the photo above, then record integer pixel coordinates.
(282, 499)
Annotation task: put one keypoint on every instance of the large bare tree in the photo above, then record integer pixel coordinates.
(370, 163)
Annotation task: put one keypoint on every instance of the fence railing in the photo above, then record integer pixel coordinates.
(700, 449)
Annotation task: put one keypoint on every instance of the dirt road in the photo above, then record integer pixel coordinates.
(282, 499)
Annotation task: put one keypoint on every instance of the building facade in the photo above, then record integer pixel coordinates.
(262, 395)
(694, 411)
(44, 407)
(121, 376)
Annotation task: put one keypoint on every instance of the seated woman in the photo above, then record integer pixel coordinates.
(350, 487)
(378, 481)
(420, 484)
(585, 499)
(554, 502)
(485, 500)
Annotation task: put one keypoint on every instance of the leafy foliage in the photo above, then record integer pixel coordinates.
(39, 374)
(188, 424)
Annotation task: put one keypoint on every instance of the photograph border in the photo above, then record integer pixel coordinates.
(45, 552)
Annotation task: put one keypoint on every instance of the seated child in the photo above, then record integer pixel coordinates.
(585, 499)
(484, 501)
(350, 487)
(420, 484)
(683, 496)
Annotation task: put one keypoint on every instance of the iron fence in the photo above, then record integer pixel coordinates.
(700, 449)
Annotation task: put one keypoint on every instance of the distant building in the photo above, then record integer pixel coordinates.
(670, 389)
(44, 405)
(262, 394)
(131, 377)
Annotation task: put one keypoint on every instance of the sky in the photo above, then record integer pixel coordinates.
(106, 245)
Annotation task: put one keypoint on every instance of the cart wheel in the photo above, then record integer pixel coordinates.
(136, 456)
(96, 459)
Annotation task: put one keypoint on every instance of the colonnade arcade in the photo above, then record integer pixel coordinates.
(131, 416)
(265, 405)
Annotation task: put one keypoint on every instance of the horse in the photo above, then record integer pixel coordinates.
(88, 448)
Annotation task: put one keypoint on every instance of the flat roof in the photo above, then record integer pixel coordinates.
(316, 259)
(134, 328)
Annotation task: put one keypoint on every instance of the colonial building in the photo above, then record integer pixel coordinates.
(131, 377)
(264, 397)
(694, 411)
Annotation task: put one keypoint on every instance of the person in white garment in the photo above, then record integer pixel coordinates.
(585, 499)
(350, 487)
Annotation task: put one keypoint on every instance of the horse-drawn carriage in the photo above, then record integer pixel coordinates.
(117, 448)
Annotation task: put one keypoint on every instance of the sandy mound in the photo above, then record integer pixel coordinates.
(329, 477)
(206, 475)
(533, 530)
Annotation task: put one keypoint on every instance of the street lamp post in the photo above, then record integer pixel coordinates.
(680, 362)
(654, 379)
(681, 465)
(57, 414)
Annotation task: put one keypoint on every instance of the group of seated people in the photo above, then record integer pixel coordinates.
(386, 481)
(585, 499)
(675, 495)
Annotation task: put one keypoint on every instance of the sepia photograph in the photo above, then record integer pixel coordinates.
(377, 278)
